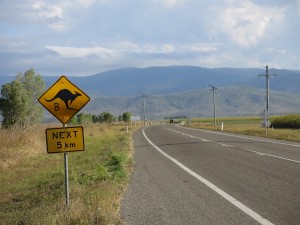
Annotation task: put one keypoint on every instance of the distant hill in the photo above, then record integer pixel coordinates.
(163, 80)
(182, 90)
(172, 79)
(230, 101)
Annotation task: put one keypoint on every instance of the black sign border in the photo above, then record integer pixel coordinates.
(51, 87)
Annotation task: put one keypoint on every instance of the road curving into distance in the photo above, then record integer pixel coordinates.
(191, 176)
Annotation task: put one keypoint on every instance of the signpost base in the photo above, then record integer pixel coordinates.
(66, 179)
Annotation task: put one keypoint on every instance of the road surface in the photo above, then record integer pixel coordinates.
(189, 176)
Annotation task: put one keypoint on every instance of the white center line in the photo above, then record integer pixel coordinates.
(222, 193)
(248, 138)
(244, 149)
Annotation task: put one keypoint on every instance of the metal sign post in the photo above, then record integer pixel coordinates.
(66, 179)
(66, 176)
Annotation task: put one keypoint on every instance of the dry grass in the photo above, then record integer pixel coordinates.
(16, 146)
(32, 181)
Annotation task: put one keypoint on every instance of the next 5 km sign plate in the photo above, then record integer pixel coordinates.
(67, 139)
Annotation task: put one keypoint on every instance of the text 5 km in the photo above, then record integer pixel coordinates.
(65, 145)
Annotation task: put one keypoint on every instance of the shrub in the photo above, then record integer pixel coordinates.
(289, 121)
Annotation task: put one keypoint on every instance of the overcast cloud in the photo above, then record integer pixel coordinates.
(84, 37)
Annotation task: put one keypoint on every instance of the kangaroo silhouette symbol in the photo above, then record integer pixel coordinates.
(65, 95)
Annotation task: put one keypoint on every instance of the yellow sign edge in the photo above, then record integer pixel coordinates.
(55, 84)
(61, 128)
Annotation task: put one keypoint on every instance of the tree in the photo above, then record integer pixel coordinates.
(12, 107)
(95, 119)
(106, 117)
(18, 104)
(126, 117)
(120, 118)
(84, 119)
(73, 121)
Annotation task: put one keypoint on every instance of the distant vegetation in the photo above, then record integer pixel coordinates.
(105, 117)
(230, 101)
(288, 121)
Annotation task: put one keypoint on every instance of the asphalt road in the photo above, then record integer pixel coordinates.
(188, 176)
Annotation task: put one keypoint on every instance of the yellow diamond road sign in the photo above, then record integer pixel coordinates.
(63, 99)
(66, 139)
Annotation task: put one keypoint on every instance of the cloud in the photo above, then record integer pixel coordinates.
(89, 3)
(125, 48)
(204, 49)
(86, 36)
(76, 52)
(170, 3)
(113, 51)
(86, 3)
(277, 51)
(54, 14)
(246, 23)
(48, 11)
(255, 63)
(154, 48)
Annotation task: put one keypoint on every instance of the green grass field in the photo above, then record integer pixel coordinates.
(32, 181)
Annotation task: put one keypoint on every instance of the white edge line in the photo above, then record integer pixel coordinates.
(228, 197)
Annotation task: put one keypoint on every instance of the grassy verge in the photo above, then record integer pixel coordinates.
(247, 125)
(32, 181)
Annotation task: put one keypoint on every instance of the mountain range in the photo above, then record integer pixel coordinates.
(172, 79)
(184, 90)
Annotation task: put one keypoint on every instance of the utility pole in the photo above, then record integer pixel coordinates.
(213, 88)
(144, 108)
(267, 75)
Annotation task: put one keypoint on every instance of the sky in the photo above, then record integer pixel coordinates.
(85, 37)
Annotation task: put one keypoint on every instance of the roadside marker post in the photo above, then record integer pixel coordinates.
(63, 100)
